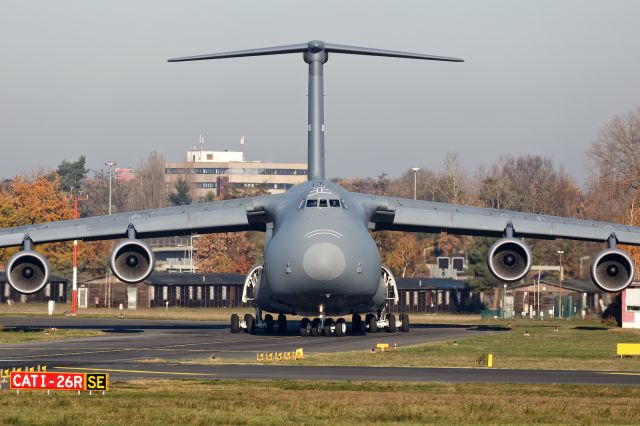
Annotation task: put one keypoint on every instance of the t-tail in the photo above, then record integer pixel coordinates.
(315, 53)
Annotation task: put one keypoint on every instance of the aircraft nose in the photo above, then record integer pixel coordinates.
(323, 261)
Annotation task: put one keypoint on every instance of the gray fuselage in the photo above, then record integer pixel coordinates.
(319, 255)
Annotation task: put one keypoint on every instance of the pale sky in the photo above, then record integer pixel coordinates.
(89, 77)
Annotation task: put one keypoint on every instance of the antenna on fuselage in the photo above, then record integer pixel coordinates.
(315, 53)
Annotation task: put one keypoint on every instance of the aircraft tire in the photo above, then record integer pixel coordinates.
(282, 324)
(392, 323)
(235, 323)
(367, 321)
(356, 324)
(327, 327)
(305, 327)
(373, 324)
(341, 328)
(251, 322)
(268, 319)
(315, 327)
(404, 318)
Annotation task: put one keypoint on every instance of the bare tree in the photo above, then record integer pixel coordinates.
(616, 151)
(148, 189)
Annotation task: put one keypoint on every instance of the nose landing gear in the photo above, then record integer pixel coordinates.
(386, 322)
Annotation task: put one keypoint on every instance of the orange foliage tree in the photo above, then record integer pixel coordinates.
(29, 202)
(402, 252)
(225, 252)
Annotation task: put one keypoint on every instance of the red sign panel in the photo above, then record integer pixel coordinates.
(57, 381)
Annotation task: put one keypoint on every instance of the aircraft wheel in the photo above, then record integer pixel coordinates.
(315, 327)
(341, 328)
(367, 322)
(282, 324)
(235, 323)
(268, 319)
(372, 322)
(392, 323)
(327, 327)
(305, 327)
(404, 318)
(356, 324)
(251, 322)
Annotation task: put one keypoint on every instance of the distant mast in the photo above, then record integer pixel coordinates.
(242, 146)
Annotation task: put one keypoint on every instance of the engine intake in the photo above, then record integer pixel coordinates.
(132, 261)
(509, 259)
(612, 270)
(27, 272)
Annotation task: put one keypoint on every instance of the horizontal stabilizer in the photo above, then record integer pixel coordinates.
(354, 50)
(315, 46)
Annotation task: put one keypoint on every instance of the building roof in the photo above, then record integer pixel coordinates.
(430, 284)
(52, 278)
(185, 278)
(581, 286)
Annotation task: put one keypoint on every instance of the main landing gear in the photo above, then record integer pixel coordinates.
(251, 324)
(371, 324)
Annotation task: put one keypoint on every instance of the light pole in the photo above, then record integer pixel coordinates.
(581, 259)
(504, 302)
(415, 182)
(560, 253)
(110, 164)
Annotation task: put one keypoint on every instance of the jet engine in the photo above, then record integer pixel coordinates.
(612, 270)
(132, 261)
(28, 272)
(509, 259)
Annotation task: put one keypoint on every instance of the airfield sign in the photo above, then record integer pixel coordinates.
(21, 380)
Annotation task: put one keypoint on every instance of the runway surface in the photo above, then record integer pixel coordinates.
(130, 342)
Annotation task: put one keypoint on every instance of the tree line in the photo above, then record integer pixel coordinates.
(527, 183)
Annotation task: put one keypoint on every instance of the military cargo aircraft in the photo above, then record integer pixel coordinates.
(319, 257)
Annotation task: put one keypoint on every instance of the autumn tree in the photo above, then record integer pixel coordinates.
(231, 252)
(38, 200)
(224, 252)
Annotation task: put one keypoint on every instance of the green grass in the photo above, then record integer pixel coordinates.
(192, 314)
(575, 346)
(10, 335)
(324, 403)
(173, 313)
(584, 345)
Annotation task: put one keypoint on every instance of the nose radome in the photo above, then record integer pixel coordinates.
(323, 261)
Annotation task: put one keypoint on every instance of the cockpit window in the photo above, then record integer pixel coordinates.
(312, 203)
(323, 203)
(334, 203)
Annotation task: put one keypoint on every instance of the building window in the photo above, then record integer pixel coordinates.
(206, 185)
(209, 157)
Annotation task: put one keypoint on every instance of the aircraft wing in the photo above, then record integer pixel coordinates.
(389, 213)
(224, 216)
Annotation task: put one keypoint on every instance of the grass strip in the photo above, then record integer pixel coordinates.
(325, 403)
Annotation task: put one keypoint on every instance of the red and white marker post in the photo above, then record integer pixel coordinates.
(74, 292)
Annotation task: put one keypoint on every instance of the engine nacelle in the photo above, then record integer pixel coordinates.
(612, 270)
(132, 261)
(509, 259)
(27, 272)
